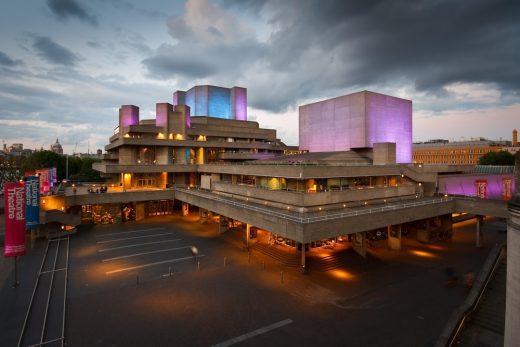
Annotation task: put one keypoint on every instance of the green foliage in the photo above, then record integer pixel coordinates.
(78, 168)
(8, 173)
(45, 159)
(497, 158)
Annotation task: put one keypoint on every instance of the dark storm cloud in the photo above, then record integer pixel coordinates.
(429, 43)
(7, 61)
(64, 9)
(201, 61)
(318, 48)
(54, 52)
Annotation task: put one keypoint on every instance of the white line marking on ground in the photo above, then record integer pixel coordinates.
(151, 264)
(129, 232)
(136, 245)
(254, 333)
(144, 253)
(133, 238)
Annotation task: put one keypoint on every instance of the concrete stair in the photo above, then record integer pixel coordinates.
(285, 257)
(486, 327)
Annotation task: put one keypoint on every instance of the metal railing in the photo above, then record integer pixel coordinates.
(457, 321)
(316, 216)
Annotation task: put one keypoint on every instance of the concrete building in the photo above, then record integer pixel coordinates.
(460, 152)
(162, 152)
(213, 101)
(357, 120)
(512, 321)
(455, 153)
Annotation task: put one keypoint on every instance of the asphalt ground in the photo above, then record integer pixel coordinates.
(137, 284)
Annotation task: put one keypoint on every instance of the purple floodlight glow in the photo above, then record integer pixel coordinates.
(357, 120)
(389, 119)
(239, 103)
(188, 117)
(161, 114)
(129, 115)
(497, 187)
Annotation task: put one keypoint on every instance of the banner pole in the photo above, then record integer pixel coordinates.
(15, 284)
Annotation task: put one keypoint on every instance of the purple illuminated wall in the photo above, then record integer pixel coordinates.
(465, 184)
(239, 103)
(179, 98)
(357, 121)
(161, 114)
(128, 115)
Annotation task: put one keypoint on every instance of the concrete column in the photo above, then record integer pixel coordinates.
(394, 237)
(359, 244)
(479, 236)
(302, 263)
(185, 209)
(511, 331)
(248, 234)
(139, 211)
(180, 155)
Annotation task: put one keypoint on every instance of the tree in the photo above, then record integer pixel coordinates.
(45, 159)
(497, 158)
(79, 169)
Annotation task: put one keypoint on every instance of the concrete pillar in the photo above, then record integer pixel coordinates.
(180, 155)
(394, 237)
(359, 244)
(185, 209)
(479, 236)
(248, 234)
(302, 262)
(511, 331)
(139, 211)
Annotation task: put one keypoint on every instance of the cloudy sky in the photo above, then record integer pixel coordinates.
(67, 65)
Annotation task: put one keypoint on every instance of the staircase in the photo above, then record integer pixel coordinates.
(486, 327)
(285, 257)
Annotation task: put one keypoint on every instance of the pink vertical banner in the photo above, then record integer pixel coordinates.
(481, 189)
(14, 213)
(507, 188)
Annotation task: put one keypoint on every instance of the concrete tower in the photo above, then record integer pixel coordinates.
(512, 333)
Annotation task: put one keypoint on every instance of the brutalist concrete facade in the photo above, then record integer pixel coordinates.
(357, 120)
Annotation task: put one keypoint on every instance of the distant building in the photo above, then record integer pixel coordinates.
(56, 147)
(460, 152)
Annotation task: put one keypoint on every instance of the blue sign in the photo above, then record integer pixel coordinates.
(32, 199)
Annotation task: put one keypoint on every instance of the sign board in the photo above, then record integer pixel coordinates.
(481, 189)
(32, 197)
(14, 209)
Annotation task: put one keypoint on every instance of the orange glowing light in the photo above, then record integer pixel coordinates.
(422, 254)
(342, 275)
(437, 247)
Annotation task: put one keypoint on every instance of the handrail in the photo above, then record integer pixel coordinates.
(456, 323)
(299, 217)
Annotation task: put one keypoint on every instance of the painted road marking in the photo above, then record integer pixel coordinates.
(133, 238)
(144, 253)
(150, 264)
(254, 333)
(136, 245)
(129, 232)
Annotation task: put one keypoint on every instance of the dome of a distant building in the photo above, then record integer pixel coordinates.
(56, 147)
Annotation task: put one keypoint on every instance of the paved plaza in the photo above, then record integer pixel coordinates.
(138, 284)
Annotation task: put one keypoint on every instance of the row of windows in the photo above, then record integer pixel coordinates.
(457, 151)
